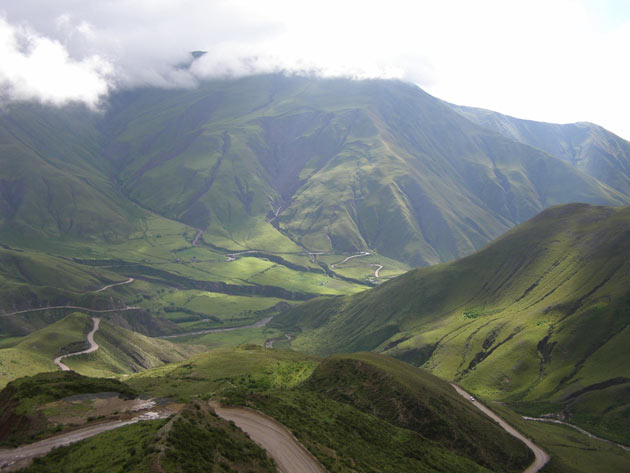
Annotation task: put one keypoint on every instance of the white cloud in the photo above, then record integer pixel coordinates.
(34, 67)
(550, 60)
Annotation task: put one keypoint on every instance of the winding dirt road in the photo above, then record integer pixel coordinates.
(348, 258)
(90, 339)
(542, 457)
(378, 269)
(128, 281)
(19, 457)
(289, 454)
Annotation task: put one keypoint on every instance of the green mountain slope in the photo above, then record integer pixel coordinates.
(538, 318)
(335, 165)
(588, 147)
(280, 164)
(53, 182)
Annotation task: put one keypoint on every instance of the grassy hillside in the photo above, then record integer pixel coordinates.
(538, 318)
(123, 351)
(52, 180)
(120, 350)
(586, 146)
(418, 401)
(346, 436)
(195, 440)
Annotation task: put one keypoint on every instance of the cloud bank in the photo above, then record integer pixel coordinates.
(551, 60)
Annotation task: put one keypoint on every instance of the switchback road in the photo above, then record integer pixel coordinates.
(90, 339)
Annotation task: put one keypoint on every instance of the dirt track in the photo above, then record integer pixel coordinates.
(90, 339)
(289, 454)
(21, 456)
(128, 281)
(542, 457)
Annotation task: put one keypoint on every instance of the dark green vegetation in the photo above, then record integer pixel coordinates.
(440, 431)
(128, 449)
(198, 441)
(540, 319)
(20, 418)
(195, 440)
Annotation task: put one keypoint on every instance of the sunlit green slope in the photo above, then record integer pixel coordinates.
(540, 317)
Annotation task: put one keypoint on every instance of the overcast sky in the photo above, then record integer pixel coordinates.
(550, 60)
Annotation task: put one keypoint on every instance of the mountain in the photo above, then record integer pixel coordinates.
(588, 147)
(283, 164)
(538, 318)
(335, 165)
(53, 182)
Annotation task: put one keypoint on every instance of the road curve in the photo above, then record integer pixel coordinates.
(83, 309)
(575, 427)
(289, 454)
(378, 269)
(128, 281)
(90, 339)
(542, 457)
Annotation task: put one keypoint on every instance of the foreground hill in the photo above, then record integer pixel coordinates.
(538, 318)
(346, 410)
(120, 351)
(193, 439)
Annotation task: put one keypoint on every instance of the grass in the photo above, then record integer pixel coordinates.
(538, 319)
(123, 351)
(199, 441)
(291, 387)
(570, 450)
(22, 419)
(233, 338)
(221, 369)
(195, 440)
(56, 339)
(120, 351)
(126, 449)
